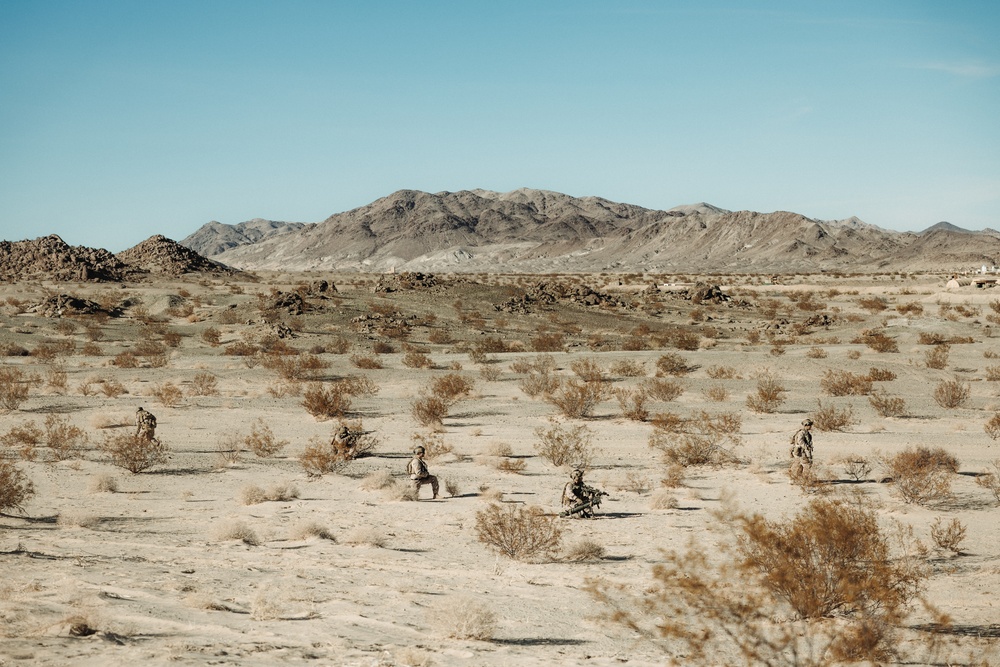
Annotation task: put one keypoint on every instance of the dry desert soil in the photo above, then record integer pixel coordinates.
(219, 556)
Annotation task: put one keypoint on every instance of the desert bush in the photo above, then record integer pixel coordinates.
(241, 348)
(14, 386)
(417, 359)
(873, 304)
(854, 354)
(452, 387)
(937, 357)
(662, 390)
(845, 383)
(886, 405)
(15, 487)
(451, 486)
(541, 363)
(921, 475)
(251, 494)
(91, 350)
(673, 476)
(367, 535)
(830, 560)
(511, 466)
(993, 373)
(577, 399)
(237, 530)
(518, 532)
(538, 383)
(989, 479)
(112, 388)
(103, 483)
(55, 378)
(462, 618)
(857, 467)
(632, 403)
(204, 384)
(992, 426)
(952, 393)
(672, 364)
(627, 368)
(134, 453)
(548, 342)
(663, 499)
(366, 361)
(881, 375)
(64, 441)
(830, 418)
(770, 394)
(327, 401)
(167, 394)
(816, 353)
(212, 336)
(948, 537)
(722, 372)
(321, 457)
(261, 440)
(429, 411)
(588, 370)
(584, 550)
(705, 440)
(717, 393)
(434, 445)
(565, 445)
(378, 480)
(878, 341)
(910, 308)
(490, 373)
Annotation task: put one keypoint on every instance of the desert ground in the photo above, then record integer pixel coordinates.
(189, 562)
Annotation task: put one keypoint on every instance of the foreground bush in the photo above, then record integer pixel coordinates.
(922, 475)
(14, 385)
(15, 487)
(134, 453)
(518, 532)
(952, 393)
(831, 564)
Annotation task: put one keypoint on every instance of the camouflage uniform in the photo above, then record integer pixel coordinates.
(417, 470)
(576, 492)
(145, 425)
(345, 441)
(802, 450)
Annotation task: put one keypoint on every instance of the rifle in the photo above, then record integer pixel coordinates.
(593, 502)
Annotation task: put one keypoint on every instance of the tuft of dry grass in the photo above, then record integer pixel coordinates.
(463, 618)
(103, 483)
(236, 530)
(663, 499)
(584, 550)
(367, 535)
(376, 481)
(306, 529)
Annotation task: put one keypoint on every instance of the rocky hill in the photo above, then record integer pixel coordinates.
(160, 255)
(51, 258)
(537, 231)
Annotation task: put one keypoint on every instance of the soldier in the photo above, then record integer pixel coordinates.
(345, 441)
(802, 451)
(419, 474)
(145, 425)
(576, 492)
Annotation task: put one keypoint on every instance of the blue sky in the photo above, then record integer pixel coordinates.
(120, 120)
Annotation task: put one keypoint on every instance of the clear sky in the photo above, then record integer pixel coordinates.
(120, 120)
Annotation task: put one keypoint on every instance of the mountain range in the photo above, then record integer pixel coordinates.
(537, 231)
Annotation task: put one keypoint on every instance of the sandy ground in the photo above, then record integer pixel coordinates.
(149, 567)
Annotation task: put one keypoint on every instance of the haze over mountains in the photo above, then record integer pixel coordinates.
(537, 231)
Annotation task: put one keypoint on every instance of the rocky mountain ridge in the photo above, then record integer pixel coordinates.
(539, 231)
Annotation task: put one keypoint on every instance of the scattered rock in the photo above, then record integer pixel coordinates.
(161, 255)
(51, 258)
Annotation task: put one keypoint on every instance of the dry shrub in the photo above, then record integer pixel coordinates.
(212, 336)
(366, 361)
(668, 422)
(538, 383)
(577, 399)
(816, 353)
(167, 394)
(261, 440)
(64, 440)
(452, 387)
(500, 449)
(548, 342)
(429, 411)
(878, 341)
(632, 403)
(770, 394)
(584, 550)
(992, 426)
(463, 618)
(886, 405)
(451, 486)
(717, 393)
(635, 482)
(103, 483)
(367, 535)
(937, 357)
(251, 494)
(993, 373)
(14, 386)
(378, 480)
(948, 536)
(320, 457)
(490, 373)
(952, 393)
(672, 364)
(588, 370)
(241, 348)
(989, 479)
(229, 449)
(854, 354)
(307, 529)
(55, 378)
(663, 499)
(23, 438)
(204, 384)
(706, 440)
(857, 467)
(830, 418)
(112, 388)
(845, 383)
(873, 304)
(417, 359)
(434, 445)
(627, 368)
(237, 530)
(565, 445)
(662, 390)
(830, 561)
(921, 475)
(881, 375)
(722, 372)
(541, 363)
(295, 367)
(15, 487)
(910, 308)
(511, 466)
(673, 476)
(518, 532)
(134, 453)
(326, 401)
